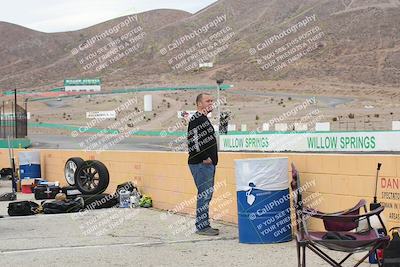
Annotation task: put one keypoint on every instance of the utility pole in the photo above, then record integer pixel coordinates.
(26, 117)
(15, 112)
(219, 83)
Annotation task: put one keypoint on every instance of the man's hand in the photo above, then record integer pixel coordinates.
(207, 161)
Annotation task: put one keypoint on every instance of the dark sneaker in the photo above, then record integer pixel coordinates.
(208, 231)
(216, 229)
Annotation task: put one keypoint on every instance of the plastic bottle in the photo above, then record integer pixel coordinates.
(135, 198)
(124, 199)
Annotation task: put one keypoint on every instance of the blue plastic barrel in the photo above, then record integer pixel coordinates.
(29, 164)
(263, 201)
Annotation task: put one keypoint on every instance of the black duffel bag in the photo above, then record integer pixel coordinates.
(100, 201)
(391, 254)
(128, 186)
(57, 206)
(8, 197)
(22, 208)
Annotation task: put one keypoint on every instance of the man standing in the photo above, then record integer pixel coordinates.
(203, 158)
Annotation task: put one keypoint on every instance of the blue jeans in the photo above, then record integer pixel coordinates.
(203, 175)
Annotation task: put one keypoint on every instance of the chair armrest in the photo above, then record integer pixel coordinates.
(360, 204)
(339, 217)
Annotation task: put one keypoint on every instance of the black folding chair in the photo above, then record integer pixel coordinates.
(338, 234)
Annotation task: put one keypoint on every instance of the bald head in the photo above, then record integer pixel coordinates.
(204, 102)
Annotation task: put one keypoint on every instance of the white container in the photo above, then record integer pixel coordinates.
(231, 127)
(29, 157)
(281, 127)
(300, 127)
(322, 126)
(29, 164)
(395, 125)
(148, 103)
(264, 173)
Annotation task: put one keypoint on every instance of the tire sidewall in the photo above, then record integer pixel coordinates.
(78, 162)
(104, 178)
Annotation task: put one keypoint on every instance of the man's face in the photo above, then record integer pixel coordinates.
(206, 103)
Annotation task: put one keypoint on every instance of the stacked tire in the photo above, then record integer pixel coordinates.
(90, 177)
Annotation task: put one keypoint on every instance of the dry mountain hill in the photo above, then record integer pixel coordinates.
(360, 44)
(31, 58)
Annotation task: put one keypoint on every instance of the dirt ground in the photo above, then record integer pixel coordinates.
(345, 106)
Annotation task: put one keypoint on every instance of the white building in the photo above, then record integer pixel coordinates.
(206, 65)
(82, 85)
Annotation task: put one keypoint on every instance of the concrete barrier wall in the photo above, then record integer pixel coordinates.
(339, 181)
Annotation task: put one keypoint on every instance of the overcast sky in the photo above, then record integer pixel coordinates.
(68, 15)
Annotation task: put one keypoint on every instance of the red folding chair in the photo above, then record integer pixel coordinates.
(339, 234)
